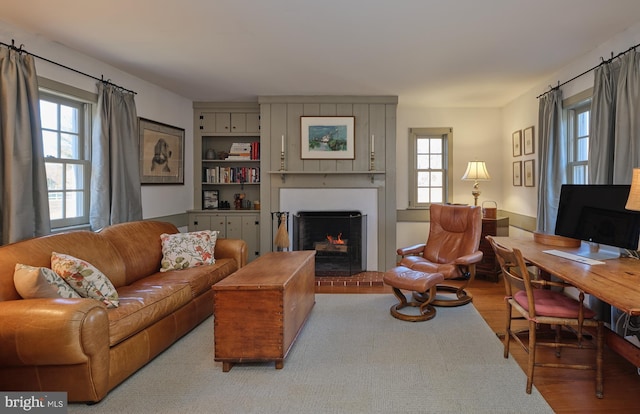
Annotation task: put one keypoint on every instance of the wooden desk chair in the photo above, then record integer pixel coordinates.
(536, 302)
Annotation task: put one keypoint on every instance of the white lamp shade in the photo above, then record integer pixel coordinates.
(476, 171)
(633, 202)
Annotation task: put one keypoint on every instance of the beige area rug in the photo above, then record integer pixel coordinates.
(351, 357)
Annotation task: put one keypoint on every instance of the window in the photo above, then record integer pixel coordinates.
(65, 124)
(429, 175)
(578, 117)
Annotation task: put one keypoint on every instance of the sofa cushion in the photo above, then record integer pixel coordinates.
(185, 250)
(142, 304)
(139, 245)
(85, 279)
(41, 282)
(88, 245)
(200, 278)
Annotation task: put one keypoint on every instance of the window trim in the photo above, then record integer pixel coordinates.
(447, 135)
(578, 103)
(65, 94)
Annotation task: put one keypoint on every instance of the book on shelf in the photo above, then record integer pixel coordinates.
(240, 151)
(255, 150)
(231, 175)
(244, 151)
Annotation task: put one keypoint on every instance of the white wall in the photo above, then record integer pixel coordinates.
(152, 103)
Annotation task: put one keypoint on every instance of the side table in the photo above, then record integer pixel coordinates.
(488, 268)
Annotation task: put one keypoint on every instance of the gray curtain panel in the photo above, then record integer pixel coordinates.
(24, 203)
(553, 159)
(601, 124)
(116, 196)
(614, 143)
(627, 126)
(615, 121)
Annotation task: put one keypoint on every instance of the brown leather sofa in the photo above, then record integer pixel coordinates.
(78, 345)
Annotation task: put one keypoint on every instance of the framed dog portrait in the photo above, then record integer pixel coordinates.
(161, 153)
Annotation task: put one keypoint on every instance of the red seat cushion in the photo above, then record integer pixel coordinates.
(552, 303)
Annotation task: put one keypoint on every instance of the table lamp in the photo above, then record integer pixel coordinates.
(633, 202)
(477, 171)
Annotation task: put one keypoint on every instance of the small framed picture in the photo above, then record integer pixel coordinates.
(517, 173)
(529, 141)
(517, 143)
(529, 173)
(210, 199)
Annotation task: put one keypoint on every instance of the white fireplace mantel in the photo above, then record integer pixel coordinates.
(364, 200)
(283, 173)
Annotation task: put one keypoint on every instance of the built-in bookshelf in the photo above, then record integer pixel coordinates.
(227, 171)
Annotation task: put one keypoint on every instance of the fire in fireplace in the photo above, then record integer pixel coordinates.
(338, 237)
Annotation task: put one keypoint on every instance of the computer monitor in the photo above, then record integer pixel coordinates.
(597, 214)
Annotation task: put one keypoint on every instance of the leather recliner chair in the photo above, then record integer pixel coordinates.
(451, 249)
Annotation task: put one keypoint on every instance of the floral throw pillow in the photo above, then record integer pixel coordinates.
(85, 279)
(184, 250)
(40, 282)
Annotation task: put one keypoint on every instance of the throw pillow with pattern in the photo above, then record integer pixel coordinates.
(185, 250)
(85, 279)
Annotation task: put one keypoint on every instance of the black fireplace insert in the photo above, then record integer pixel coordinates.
(338, 237)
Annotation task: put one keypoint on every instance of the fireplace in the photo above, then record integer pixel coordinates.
(338, 237)
(364, 200)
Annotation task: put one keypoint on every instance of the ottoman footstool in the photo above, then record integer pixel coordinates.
(401, 277)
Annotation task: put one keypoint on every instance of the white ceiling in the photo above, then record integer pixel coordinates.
(444, 53)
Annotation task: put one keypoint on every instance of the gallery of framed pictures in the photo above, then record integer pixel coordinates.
(161, 153)
(327, 137)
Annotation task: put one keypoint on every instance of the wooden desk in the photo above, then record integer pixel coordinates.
(617, 282)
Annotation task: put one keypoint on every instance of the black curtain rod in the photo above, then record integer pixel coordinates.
(588, 70)
(21, 50)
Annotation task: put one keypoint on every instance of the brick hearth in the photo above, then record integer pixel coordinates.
(364, 279)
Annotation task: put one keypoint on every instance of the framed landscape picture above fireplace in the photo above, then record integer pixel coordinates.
(327, 137)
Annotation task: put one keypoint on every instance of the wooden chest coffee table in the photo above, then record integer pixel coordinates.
(260, 309)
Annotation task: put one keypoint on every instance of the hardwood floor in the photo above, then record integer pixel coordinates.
(566, 391)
